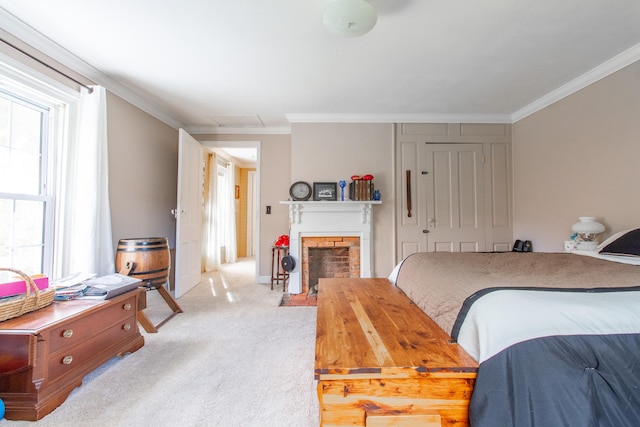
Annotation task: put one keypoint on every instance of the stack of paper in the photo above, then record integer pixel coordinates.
(70, 287)
(109, 286)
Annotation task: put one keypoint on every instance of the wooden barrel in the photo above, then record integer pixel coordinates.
(150, 257)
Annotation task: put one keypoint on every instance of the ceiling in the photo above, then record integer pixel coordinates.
(256, 66)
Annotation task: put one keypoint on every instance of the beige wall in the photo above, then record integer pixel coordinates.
(274, 176)
(329, 152)
(579, 157)
(143, 173)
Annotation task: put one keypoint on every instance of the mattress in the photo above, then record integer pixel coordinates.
(556, 335)
(440, 283)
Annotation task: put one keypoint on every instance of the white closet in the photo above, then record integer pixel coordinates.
(453, 188)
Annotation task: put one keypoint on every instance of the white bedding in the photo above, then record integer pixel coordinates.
(446, 285)
(502, 318)
(633, 260)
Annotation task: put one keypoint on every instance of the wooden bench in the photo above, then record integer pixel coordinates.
(381, 361)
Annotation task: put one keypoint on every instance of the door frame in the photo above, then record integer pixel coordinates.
(256, 201)
(252, 212)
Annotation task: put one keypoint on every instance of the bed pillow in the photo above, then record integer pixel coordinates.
(613, 237)
(625, 243)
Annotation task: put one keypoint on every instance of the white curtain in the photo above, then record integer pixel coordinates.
(230, 209)
(220, 215)
(211, 250)
(85, 231)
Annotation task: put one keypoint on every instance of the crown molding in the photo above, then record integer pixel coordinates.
(399, 118)
(603, 70)
(202, 130)
(38, 41)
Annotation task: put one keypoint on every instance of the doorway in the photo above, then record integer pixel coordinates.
(245, 179)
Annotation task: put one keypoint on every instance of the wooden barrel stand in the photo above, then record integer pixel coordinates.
(148, 259)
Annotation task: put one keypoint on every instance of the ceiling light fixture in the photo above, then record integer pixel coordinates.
(349, 18)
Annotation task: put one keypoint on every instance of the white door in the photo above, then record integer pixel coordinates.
(188, 214)
(440, 190)
(455, 198)
(252, 212)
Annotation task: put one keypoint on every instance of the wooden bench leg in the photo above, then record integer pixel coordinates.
(144, 320)
(146, 323)
(169, 299)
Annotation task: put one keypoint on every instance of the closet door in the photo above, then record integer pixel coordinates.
(454, 198)
(410, 193)
(453, 188)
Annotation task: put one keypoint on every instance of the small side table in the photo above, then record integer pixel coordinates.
(277, 272)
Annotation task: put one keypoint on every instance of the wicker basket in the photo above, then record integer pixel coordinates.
(20, 304)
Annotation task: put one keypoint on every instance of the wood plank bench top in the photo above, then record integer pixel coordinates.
(370, 328)
(381, 361)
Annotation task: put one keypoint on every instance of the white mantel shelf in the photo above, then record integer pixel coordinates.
(332, 203)
(297, 208)
(329, 218)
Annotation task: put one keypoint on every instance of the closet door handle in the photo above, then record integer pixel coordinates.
(409, 193)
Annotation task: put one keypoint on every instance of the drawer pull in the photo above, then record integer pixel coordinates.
(67, 360)
(127, 306)
(67, 333)
(127, 326)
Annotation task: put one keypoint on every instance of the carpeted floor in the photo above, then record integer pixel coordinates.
(233, 358)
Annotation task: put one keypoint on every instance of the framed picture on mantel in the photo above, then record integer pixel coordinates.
(325, 191)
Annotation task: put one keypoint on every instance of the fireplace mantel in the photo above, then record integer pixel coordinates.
(330, 218)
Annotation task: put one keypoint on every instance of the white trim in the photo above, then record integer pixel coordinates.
(202, 130)
(228, 143)
(253, 212)
(329, 218)
(38, 85)
(603, 70)
(264, 280)
(18, 79)
(399, 118)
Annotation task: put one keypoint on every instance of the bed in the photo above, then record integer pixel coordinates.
(556, 335)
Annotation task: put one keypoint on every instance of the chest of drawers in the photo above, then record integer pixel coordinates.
(45, 354)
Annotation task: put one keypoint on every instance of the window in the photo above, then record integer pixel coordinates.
(34, 115)
(26, 205)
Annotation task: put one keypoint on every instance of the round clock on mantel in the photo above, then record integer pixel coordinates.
(300, 191)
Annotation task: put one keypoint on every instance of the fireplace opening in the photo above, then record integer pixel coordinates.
(327, 263)
(328, 257)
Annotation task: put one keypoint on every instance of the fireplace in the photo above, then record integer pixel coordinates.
(329, 221)
(328, 257)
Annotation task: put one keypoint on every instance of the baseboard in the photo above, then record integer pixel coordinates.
(264, 279)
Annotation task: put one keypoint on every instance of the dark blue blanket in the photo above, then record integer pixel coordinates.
(582, 381)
